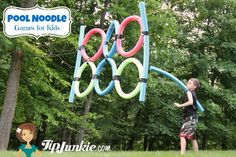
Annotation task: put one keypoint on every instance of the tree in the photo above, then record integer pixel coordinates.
(12, 91)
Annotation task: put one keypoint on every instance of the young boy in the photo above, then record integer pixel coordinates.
(188, 129)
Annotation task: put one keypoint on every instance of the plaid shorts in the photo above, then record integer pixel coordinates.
(188, 129)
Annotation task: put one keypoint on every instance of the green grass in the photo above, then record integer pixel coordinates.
(127, 154)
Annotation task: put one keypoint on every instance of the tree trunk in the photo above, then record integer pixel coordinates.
(204, 141)
(131, 143)
(9, 105)
(134, 133)
(86, 110)
(151, 144)
(28, 3)
(224, 143)
(145, 143)
(81, 5)
(41, 131)
(66, 136)
(8, 109)
(81, 135)
(123, 145)
(102, 20)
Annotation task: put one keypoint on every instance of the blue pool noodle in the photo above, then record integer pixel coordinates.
(146, 51)
(177, 81)
(113, 26)
(98, 71)
(77, 64)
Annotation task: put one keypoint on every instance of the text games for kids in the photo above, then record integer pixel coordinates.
(37, 21)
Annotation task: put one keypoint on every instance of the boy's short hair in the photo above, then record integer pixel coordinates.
(196, 82)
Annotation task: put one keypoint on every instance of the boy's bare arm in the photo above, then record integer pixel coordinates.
(188, 103)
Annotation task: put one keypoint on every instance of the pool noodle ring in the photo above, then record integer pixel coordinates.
(98, 71)
(119, 72)
(85, 40)
(77, 81)
(114, 25)
(138, 45)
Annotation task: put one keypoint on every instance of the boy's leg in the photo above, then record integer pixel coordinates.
(182, 145)
(195, 146)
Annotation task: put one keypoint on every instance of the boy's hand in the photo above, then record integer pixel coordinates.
(177, 104)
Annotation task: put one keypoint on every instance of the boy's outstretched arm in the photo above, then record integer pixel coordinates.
(188, 103)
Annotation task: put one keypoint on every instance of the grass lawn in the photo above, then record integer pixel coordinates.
(127, 154)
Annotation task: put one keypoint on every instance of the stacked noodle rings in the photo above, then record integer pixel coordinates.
(108, 59)
(119, 72)
(78, 76)
(85, 40)
(138, 45)
(98, 71)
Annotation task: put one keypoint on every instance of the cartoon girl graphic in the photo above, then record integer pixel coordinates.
(26, 133)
